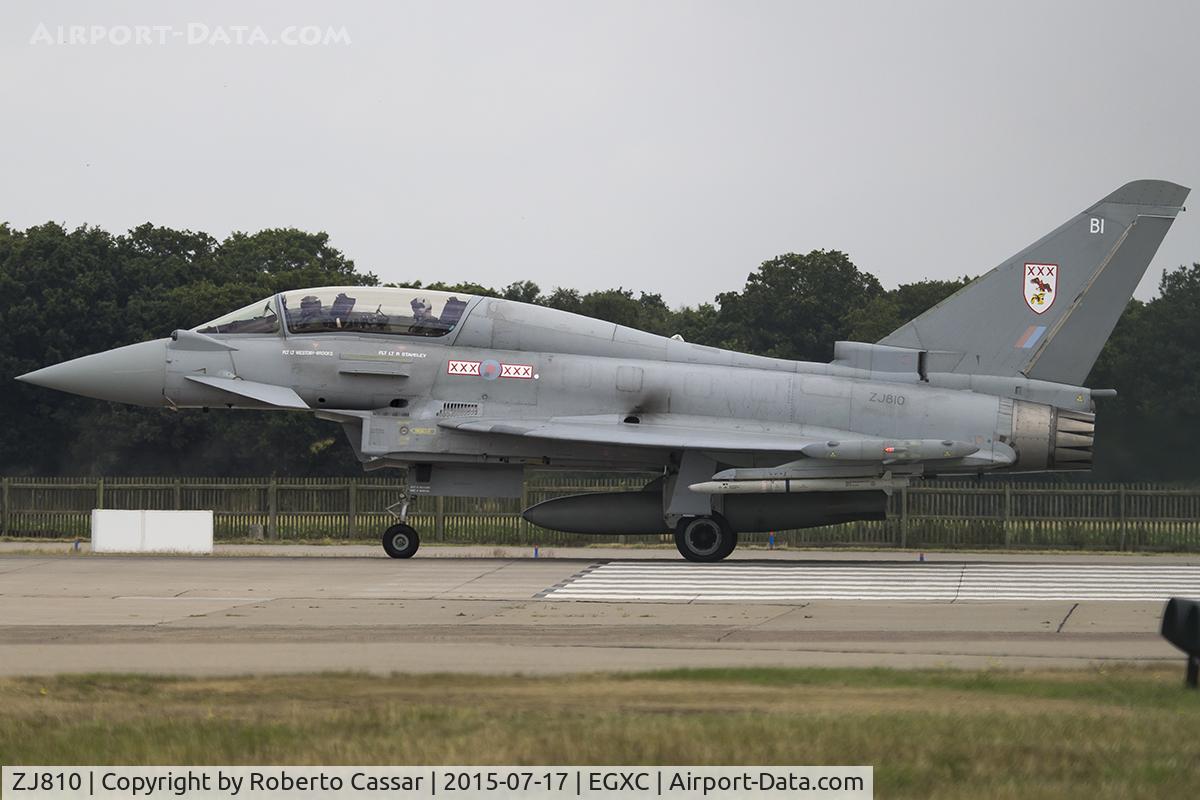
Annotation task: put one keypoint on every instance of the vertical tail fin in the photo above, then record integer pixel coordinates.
(1046, 312)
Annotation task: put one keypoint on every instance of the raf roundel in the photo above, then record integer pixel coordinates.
(489, 370)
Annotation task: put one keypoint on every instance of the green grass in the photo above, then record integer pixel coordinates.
(1121, 686)
(1115, 733)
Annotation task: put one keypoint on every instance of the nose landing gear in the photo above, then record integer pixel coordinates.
(401, 540)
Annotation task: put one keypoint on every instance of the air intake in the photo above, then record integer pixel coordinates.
(1074, 434)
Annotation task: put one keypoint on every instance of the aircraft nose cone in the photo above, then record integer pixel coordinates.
(132, 374)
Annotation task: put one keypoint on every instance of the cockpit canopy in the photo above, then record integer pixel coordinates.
(257, 317)
(338, 309)
(409, 312)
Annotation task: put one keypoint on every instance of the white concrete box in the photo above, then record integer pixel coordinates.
(116, 531)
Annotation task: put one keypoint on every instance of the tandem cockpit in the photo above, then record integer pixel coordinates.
(347, 309)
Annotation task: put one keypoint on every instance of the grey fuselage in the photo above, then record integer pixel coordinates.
(395, 392)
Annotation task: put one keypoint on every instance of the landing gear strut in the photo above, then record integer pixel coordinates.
(706, 538)
(401, 540)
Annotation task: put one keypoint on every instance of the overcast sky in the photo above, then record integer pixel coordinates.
(662, 146)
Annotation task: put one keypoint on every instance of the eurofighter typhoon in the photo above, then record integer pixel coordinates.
(465, 392)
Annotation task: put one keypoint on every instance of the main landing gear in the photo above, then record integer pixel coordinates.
(706, 538)
(401, 540)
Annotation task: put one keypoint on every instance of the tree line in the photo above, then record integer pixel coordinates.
(67, 293)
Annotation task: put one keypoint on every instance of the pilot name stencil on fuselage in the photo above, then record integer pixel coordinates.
(307, 352)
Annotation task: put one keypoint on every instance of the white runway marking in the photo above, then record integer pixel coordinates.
(686, 582)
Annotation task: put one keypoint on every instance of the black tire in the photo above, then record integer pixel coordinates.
(705, 539)
(730, 546)
(401, 541)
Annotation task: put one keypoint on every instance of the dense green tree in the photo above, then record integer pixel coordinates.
(465, 287)
(647, 312)
(886, 312)
(795, 306)
(564, 300)
(698, 325)
(522, 292)
(1153, 361)
(65, 294)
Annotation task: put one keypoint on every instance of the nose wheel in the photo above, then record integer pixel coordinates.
(708, 538)
(401, 541)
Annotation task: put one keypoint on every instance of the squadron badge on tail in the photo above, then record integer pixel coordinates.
(1038, 285)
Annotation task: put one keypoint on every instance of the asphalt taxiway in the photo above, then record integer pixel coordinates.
(580, 610)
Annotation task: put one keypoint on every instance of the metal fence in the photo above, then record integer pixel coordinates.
(931, 514)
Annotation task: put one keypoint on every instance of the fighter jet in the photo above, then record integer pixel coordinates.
(467, 392)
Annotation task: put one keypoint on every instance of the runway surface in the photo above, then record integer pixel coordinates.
(619, 581)
(212, 615)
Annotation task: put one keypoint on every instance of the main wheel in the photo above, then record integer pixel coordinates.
(727, 550)
(706, 538)
(401, 541)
